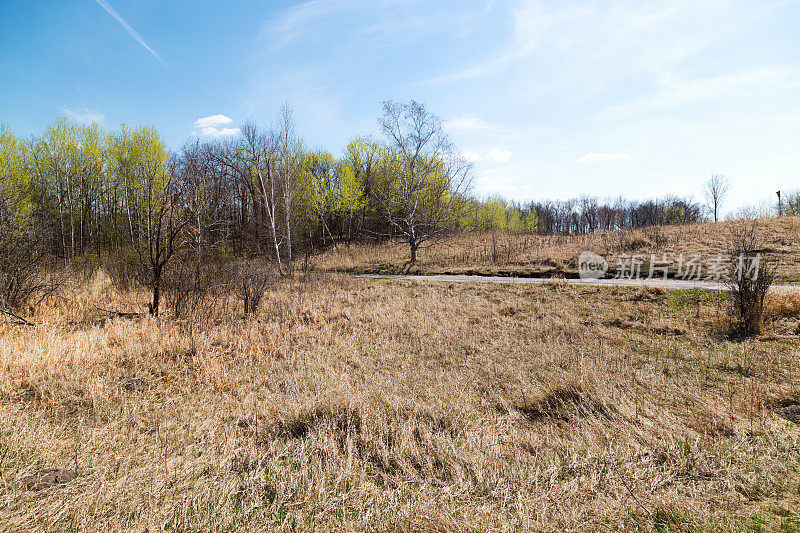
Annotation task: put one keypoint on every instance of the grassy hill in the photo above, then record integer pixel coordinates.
(556, 256)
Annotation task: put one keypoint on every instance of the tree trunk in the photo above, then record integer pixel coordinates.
(414, 247)
(156, 293)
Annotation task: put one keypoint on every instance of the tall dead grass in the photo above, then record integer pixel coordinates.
(361, 405)
(534, 255)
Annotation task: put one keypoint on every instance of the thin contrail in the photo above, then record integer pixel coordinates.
(111, 11)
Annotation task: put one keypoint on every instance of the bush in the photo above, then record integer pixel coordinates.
(186, 286)
(250, 279)
(750, 277)
(23, 276)
(792, 203)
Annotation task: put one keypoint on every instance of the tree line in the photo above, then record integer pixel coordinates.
(582, 215)
(78, 194)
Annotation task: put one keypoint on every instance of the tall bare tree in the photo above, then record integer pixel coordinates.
(716, 189)
(288, 162)
(255, 162)
(423, 190)
(266, 163)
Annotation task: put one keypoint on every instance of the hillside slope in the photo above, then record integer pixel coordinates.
(522, 255)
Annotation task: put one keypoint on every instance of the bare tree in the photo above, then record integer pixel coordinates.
(266, 164)
(716, 189)
(161, 224)
(287, 164)
(255, 163)
(424, 184)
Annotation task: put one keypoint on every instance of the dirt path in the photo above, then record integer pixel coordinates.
(669, 284)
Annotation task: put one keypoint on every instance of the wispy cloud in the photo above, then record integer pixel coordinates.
(742, 86)
(210, 126)
(491, 156)
(296, 21)
(467, 123)
(385, 23)
(603, 156)
(601, 39)
(84, 116)
(111, 11)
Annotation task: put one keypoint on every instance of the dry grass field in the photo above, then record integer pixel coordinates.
(369, 405)
(523, 255)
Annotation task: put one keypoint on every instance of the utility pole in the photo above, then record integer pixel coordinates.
(780, 205)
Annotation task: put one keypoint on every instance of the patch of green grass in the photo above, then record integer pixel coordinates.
(689, 299)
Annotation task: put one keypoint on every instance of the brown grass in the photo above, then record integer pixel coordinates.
(783, 304)
(370, 405)
(546, 256)
(782, 309)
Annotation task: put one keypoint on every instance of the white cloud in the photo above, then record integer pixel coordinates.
(603, 156)
(111, 11)
(84, 116)
(492, 156)
(499, 156)
(210, 126)
(212, 122)
(223, 132)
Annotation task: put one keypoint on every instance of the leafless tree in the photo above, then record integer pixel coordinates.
(287, 163)
(157, 220)
(255, 162)
(266, 164)
(424, 187)
(716, 189)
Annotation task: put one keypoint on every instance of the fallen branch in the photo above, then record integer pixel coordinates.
(22, 321)
(119, 314)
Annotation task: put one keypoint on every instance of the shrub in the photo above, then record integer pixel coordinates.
(250, 279)
(751, 274)
(23, 276)
(186, 286)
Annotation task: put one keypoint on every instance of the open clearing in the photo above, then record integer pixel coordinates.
(355, 404)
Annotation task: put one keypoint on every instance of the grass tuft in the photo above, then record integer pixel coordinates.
(565, 403)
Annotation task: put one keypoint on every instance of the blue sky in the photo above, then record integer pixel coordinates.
(550, 99)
